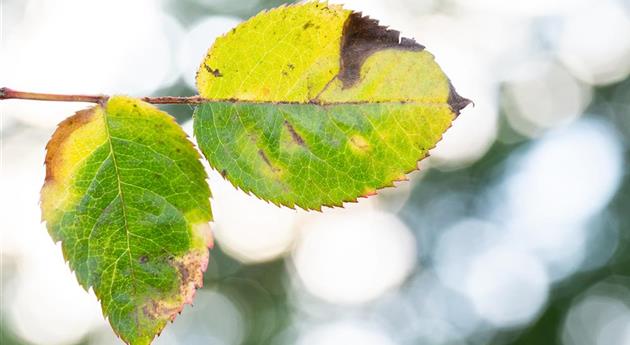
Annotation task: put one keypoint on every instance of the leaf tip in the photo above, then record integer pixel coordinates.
(455, 101)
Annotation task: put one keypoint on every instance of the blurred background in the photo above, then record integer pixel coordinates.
(516, 231)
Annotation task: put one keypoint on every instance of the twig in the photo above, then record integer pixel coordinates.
(7, 93)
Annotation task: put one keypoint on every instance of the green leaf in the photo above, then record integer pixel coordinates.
(126, 195)
(319, 105)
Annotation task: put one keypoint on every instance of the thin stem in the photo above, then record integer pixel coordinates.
(6, 93)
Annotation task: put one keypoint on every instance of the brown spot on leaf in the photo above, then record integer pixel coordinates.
(184, 270)
(64, 130)
(363, 37)
(265, 159)
(160, 310)
(294, 135)
(214, 72)
(190, 268)
(143, 259)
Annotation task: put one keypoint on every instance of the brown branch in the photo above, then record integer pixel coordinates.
(6, 93)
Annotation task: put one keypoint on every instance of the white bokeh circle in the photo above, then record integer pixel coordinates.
(354, 257)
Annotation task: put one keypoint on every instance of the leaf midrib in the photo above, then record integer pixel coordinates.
(203, 101)
(122, 203)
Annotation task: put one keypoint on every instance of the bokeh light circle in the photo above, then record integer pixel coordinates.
(353, 257)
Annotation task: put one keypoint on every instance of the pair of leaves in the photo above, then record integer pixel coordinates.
(308, 105)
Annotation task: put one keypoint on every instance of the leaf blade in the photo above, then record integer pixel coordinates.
(126, 195)
(312, 156)
(304, 60)
(361, 67)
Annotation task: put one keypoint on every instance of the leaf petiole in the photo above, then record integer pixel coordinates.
(7, 93)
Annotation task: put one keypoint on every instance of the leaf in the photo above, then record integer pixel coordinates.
(126, 195)
(319, 105)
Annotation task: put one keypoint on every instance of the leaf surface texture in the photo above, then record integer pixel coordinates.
(126, 195)
(319, 105)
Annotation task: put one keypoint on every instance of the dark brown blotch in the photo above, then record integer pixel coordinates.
(362, 37)
(265, 159)
(214, 72)
(297, 138)
(184, 270)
